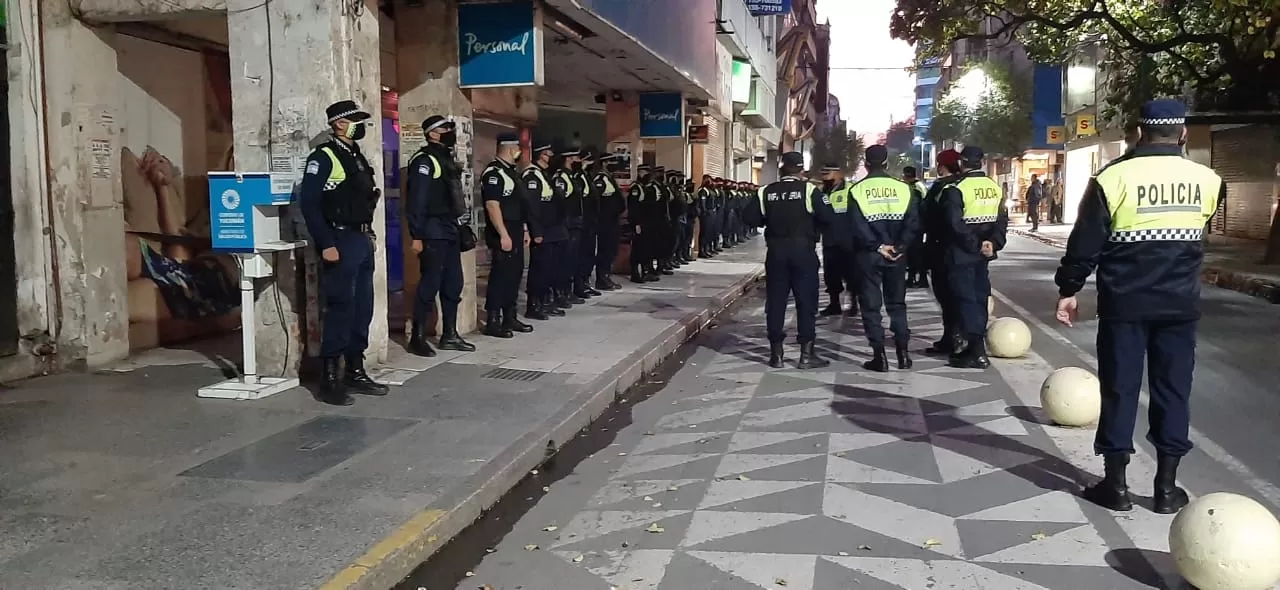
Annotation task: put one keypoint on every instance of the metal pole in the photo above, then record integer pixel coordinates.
(248, 323)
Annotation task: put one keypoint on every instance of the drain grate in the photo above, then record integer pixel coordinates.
(513, 374)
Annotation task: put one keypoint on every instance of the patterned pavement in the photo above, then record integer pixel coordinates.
(736, 476)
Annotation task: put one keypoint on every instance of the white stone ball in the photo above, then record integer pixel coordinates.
(991, 305)
(1008, 338)
(1226, 542)
(1072, 396)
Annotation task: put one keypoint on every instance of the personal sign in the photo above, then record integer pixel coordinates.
(661, 114)
(499, 45)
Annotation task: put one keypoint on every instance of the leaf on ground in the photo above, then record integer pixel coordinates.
(844, 554)
(654, 528)
(932, 543)
(550, 528)
(864, 547)
(780, 582)
(530, 547)
(1039, 537)
(648, 498)
(578, 559)
(471, 574)
(743, 478)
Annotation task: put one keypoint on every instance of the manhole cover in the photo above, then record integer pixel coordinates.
(513, 374)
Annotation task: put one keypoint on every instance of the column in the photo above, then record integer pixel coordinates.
(87, 216)
(427, 80)
(289, 61)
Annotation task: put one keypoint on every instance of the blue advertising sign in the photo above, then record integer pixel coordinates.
(1046, 106)
(768, 7)
(661, 114)
(498, 45)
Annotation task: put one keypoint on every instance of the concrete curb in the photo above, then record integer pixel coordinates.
(393, 558)
(1218, 277)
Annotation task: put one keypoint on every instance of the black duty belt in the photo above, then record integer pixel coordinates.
(360, 227)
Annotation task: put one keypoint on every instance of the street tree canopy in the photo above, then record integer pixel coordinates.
(840, 146)
(1222, 52)
(984, 108)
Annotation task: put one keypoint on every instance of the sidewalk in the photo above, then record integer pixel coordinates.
(1229, 263)
(127, 480)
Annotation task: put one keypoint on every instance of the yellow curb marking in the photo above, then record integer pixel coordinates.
(409, 533)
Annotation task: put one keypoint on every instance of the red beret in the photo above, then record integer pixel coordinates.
(948, 158)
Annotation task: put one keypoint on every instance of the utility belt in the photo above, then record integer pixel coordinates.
(363, 228)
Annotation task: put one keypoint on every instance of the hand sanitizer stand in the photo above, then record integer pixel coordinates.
(245, 217)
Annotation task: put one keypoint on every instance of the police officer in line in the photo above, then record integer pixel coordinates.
(662, 223)
(792, 211)
(338, 195)
(640, 205)
(917, 270)
(706, 216)
(548, 231)
(1140, 224)
(837, 243)
(566, 183)
(612, 204)
(933, 221)
(977, 222)
(733, 214)
(507, 237)
(691, 214)
(433, 204)
(885, 214)
(676, 209)
(585, 257)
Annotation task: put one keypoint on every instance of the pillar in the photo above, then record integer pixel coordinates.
(622, 124)
(86, 216)
(427, 78)
(289, 61)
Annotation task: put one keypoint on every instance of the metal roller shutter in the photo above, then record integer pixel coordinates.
(713, 154)
(1246, 212)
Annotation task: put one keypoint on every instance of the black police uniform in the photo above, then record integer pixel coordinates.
(975, 213)
(706, 231)
(587, 242)
(642, 202)
(433, 204)
(612, 205)
(838, 263)
(885, 211)
(676, 211)
(934, 222)
(1140, 224)
(566, 264)
(500, 184)
(792, 211)
(659, 261)
(338, 195)
(546, 224)
(917, 263)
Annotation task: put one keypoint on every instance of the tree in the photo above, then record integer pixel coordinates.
(838, 145)
(987, 109)
(1222, 52)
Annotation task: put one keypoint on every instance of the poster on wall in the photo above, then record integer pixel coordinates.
(768, 7)
(620, 165)
(499, 45)
(699, 134)
(661, 114)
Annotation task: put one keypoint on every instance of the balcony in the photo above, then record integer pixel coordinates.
(742, 35)
(760, 112)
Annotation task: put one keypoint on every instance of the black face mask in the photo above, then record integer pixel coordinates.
(449, 139)
(356, 131)
(828, 184)
(645, 177)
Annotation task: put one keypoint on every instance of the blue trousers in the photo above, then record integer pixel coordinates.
(883, 284)
(566, 261)
(542, 260)
(505, 268)
(1170, 351)
(791, 270)
(607, 239)
(946, 299)
(347, 289)
(837, 267)
(970, 288)
(441, 266)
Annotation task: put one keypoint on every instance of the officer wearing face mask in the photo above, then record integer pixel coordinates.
(612, 204)
(585, 257)
(547, 231)
(566, 183)
(640, 205)
(338, 195)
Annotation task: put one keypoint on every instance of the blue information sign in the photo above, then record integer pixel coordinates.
(662, 114)
(232, 197)
(768, 7)
(498, 45)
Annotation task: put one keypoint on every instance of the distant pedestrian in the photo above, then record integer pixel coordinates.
(1054, 188)
(1035, 193)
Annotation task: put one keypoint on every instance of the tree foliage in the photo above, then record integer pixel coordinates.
(1223, 53)
(838, 145)
(997, 118)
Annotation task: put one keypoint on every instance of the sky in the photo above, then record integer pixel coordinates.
(860, 39)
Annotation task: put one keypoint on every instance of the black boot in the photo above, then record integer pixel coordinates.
(1169, 498)
(904, 357)
(571, 298)
(493, 326)
(879, 360)
(533, 309)
(973, 356)
(605, 284)
(923, 283)
(832, 308)
(452, 341)
(853, 306)
(560, 300)
(331, 390)
(809, 358)
(1112, 492)
(775, 355)
(586, 288)
(418, 342)
(580, 290)
(638, 276)
(358, 380)
(513, 323)
(941, 346)
(549, 306)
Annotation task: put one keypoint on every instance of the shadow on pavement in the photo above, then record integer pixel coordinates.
(1142, 566)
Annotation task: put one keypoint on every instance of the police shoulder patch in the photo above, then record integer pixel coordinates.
(424, 169)
(533, 184)
(493, 180)
(313, 167)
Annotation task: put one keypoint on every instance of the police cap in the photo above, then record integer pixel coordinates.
(541, 145)
(877, 155)
(505, 139)
(793, 159)
(972, 155)
(1162, 111)
(949, 158)
(568, 151)
(435, 122)
(644, 168)
(830, 167)
(345, 109)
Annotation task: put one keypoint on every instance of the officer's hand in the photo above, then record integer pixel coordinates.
(1067, 308)
(417, 246)
(637, 230)
(505, 242)
(886, 251)
(537, 240)
(988, 249)
(329, 254)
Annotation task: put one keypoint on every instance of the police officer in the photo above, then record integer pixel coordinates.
(586, 254)
(690, 221)
(337, 196)
(837, 241)
(676, 210)
(1140, 224)
(640, 205)
(566, 181)
(507, 237)
(885, 213)
(546, 225)
(917, 275)
(933, 220)
(612, 204)
(977, 222)
(705, 231)
(433, 204)
(792, 211)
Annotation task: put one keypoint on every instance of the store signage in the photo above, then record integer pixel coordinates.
(499, 44)
(768, 7)
(699, 134)
(1085, 126)
(740, 84)
(662, 114)
(1055, 135)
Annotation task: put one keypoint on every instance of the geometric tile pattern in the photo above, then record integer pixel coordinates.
(740, 476)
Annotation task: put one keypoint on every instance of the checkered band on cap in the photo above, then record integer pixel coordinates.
(885, 217)
(981, 219)
(1166, 121)
(1157, 235)
(343, 115)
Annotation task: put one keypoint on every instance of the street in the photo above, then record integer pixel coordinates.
(735, 476)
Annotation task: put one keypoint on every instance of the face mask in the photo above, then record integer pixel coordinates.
(449, 139)
(827, 184)
(356, 131)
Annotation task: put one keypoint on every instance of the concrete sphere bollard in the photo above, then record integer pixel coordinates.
(1226, 541)
(1008, 338)
(1072, 396)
